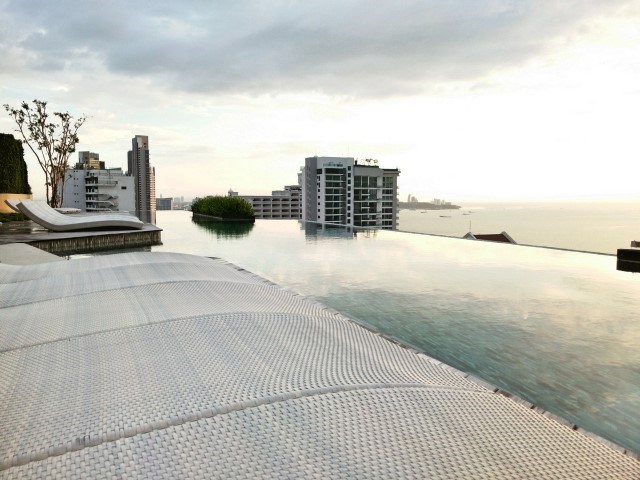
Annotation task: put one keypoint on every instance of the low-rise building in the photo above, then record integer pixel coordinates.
(94, 189)
(502, 237)
(165, 203)
(280, 204)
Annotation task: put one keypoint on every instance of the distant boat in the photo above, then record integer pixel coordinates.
(445, 216)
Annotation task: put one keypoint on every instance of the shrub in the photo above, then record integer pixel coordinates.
(223, 207)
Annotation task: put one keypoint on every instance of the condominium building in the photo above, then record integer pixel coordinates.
(346, 191)
(92, 187)
(284, 203)
(144, 178)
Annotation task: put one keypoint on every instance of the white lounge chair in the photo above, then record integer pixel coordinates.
(44, 215)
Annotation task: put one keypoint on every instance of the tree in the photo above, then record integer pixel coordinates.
(52, 143)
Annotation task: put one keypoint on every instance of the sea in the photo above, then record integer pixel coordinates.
(598, 227)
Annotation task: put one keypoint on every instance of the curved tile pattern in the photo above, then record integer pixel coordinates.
(165, 366)
(20, 273)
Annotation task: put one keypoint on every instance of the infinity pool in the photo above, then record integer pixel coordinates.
(557, 328)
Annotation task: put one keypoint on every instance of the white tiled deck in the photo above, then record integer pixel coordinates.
(168, 365)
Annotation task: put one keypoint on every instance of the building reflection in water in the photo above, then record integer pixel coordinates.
(314, 230)
(146, 216)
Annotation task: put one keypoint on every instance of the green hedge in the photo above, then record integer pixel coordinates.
(12, 217)
(13, 168)
(223, 207)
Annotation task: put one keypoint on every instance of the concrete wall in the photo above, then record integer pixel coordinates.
(4, 208)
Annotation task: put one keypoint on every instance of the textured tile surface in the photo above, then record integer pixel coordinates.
(167, 365)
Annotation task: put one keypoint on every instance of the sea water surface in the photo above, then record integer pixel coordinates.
(558, 328)
(587, 226)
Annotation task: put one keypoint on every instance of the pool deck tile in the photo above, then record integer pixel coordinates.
(167, 365)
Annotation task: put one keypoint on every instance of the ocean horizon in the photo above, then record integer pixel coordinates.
(589, 226)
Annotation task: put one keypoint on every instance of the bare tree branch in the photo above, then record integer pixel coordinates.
(51, 143)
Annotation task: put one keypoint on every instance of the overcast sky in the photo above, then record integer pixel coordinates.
(471, 99)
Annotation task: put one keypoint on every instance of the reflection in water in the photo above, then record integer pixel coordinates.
(225, 230)
(557, 328)
(328, 231)
(623, 266)
(314, 230)
(146, 216)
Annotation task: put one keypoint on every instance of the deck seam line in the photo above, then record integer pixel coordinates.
(149, 323)
(81, 443)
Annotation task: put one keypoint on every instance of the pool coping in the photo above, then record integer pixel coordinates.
(86, 241)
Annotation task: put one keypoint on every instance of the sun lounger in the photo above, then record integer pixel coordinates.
(44, 215)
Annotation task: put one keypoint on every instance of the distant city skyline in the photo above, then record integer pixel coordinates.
(489, 100)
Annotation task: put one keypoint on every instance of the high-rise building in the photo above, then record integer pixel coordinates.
(144, 178)
(345, 191)
(92, 187)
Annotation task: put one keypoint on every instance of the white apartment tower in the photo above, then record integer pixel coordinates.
(345, 191)
(144, 178)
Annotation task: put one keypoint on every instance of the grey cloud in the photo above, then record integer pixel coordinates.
(348, 47)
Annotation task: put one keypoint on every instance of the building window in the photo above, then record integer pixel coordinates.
(124, 187)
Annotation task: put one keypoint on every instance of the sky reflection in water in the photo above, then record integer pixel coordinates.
(557, 328)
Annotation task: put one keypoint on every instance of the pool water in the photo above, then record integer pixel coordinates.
(557, 328)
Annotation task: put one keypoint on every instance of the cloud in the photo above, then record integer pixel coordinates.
(336, 47)
(453, 92)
